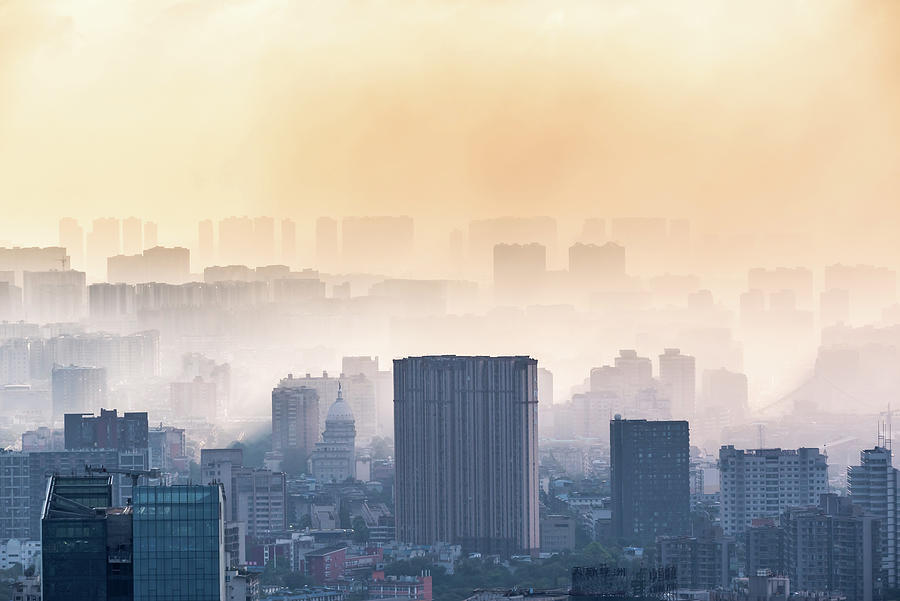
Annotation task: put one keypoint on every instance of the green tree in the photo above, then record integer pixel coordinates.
(382, 447)
(344, 520)
(255, 449)
(360, 530)
(294, 462)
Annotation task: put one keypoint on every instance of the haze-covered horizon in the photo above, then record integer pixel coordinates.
(770, 116)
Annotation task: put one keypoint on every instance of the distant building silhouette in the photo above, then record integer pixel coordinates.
(288, 242)
(295, 418)
(71, 237)
(103, 241)
(151, 235)
(678, 376)
(519, 272)
(78, 389)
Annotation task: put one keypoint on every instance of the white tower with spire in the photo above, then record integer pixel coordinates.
(334, 458)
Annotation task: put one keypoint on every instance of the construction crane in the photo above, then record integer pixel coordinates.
(133, 474)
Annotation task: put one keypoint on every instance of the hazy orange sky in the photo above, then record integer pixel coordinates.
(735, 114)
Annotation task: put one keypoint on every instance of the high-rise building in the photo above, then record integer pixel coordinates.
(151, 235)
(870, 289)
(764, 483)
(834, 307)
(102, 241)
(288, 242)
(111, 301)
(594, 266)
(701, 562)
(235, 239)
(54, 296)
(637, 372)
(106, 431)
(179, 543)
(125, 358)
(384, 389)
(834, 547)
(166, 449)
(157, 264)
(519, 272)
(71, 237)
(41, 464)
(168, 544)
(295, 419)
(484, 234)
(196, 398)
(86, 543)
(466, 452)
(334, 458)
(254, 497)
(132, 236)
(15, 496)
(359, 392)
(77, 389)
(678, 376)
(725, 391)
(873, 486)
(765, 547)
(18, 260)
(650, 477)
(798, 280)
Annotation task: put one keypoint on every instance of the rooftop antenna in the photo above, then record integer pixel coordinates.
(889, 427)
(761, 433)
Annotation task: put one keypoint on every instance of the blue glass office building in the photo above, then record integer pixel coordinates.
(179, 537)
(74, 539)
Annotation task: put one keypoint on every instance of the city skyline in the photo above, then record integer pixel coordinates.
(453, 300)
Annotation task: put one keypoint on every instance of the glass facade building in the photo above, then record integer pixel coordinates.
(178, 543)
(74, 539)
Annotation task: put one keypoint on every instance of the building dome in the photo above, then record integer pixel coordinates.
(340, 411)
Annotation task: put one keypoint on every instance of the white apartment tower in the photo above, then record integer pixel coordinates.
(763, 483)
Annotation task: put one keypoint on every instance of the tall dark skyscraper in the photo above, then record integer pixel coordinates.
(650, 474)
(168, 545)
(76, 539)
(466, 452)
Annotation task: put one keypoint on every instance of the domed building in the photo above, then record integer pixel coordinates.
(334, 458)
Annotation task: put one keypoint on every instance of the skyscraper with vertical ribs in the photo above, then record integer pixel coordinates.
(466, 452)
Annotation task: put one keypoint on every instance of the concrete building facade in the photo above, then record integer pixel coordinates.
(466, 452)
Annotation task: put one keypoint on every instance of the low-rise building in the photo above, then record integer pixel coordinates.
(557, 533)
(412, 588)
(702, 562)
